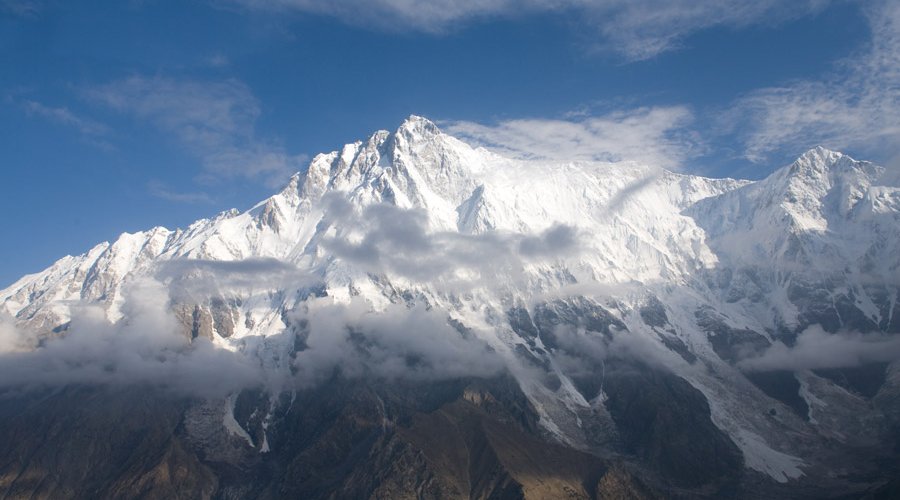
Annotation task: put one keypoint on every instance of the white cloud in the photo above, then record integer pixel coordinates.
(147, 347)
(857, 106)
(388, 239)
(215, 121)
(636, 29)
(398, 342)
(150, 346)
(815, 348)
(92, 130)
(643, 29)
(11, 338)
(657, 136)
(196, 280)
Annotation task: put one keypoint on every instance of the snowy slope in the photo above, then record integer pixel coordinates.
(642, 262)
(826, 223)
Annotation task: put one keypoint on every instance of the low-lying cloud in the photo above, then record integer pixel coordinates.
(416, 343)
(13, 339)
(817, 349)
(147, 346)
(580, 349)
(206, 276)
(150, 345)
(388, 239)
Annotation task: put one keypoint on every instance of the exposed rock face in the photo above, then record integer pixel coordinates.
(666, 423)
(459, 439)
(355, 439)
(87, 443)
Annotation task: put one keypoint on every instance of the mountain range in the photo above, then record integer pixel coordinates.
(412, 317)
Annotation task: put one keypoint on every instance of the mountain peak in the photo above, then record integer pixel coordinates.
(416, 125)
(418, 120)
(819, 156)
(813, 169)
(290, 190)
(815, 163)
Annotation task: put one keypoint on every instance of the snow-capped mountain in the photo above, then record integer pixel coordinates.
(571, 274)
(824, 225)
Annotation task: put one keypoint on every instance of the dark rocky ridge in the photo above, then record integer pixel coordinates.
(471, 438)
(345, 439)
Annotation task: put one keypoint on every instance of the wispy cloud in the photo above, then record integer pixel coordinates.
(23, 8)
(643, 29)
(856, 106)
(658, 136)
(159, 190)
(218, 61)
(636, 29)
(215, 121)
(94, 131)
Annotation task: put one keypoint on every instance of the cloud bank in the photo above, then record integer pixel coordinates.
(145, 347)
(12, 339)
(388, 239)
(205, 277)
(397, 342)
(815, 348)
(149, 346)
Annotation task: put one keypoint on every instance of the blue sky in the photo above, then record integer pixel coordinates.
(119, 116)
